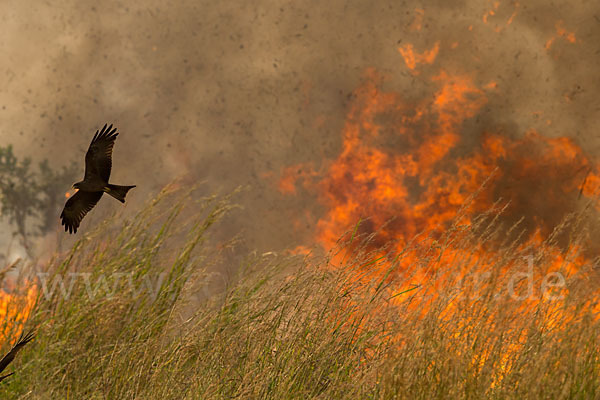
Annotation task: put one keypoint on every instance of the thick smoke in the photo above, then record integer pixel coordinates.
(230, 93)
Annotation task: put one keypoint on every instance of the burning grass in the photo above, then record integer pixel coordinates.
(357, 323)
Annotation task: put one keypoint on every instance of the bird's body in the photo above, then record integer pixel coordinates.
(98, 164)
(91, 186)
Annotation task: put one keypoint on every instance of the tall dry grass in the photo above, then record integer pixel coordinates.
(361, 323)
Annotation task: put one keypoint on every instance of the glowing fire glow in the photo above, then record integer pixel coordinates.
(409, 168)
(421, 179)
(15, 308)
(412, 59)
(499, 12)
(561, 32)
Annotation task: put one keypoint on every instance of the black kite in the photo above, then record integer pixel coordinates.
(98, 163)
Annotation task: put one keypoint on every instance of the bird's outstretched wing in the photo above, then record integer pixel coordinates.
(3, 377)
(10, 356)
(98, 159)
(77, 207)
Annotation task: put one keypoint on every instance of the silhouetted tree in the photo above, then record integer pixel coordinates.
(27, 194)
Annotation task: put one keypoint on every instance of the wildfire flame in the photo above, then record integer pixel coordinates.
(410, 168)
(419, 176)
(15, 308)
(561, 32)
(412, 59)
(17, 300)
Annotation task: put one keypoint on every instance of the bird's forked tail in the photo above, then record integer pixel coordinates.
(117, 191)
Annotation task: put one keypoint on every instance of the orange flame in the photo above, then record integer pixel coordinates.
(412, 59)
(423, 179)
(410, 168)
(498, 14)
(561, 32)
(15, 309)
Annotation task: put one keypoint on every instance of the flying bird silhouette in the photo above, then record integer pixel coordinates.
(98, 163)
(10, 356)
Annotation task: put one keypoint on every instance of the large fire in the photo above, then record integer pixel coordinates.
(414, 166)
(407, 169)
(16, 304)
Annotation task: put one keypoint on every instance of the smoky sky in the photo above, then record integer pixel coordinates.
(229, 93)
